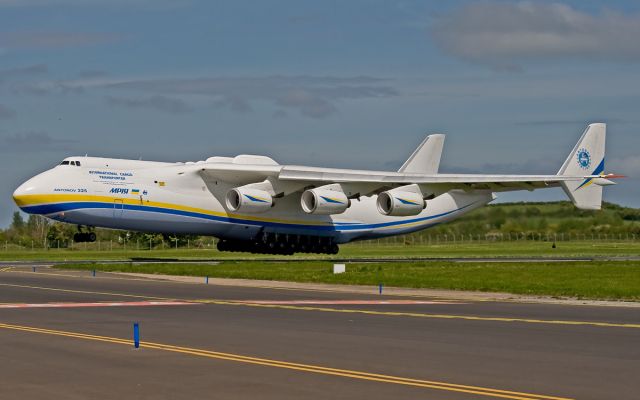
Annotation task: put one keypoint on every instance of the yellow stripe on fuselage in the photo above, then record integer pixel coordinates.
(42, 199)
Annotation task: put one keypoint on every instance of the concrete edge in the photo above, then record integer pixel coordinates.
(442, 294)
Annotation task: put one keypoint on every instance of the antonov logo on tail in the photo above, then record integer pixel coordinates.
(584, 158)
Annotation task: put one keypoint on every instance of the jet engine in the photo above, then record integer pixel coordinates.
(248, 200)
(324, 201)
(397, 202)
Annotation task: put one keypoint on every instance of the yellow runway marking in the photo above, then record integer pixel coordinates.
(348, 311)
(5, 269)
(89, 292)
(477, 390)
(103, 275)
(426, 315)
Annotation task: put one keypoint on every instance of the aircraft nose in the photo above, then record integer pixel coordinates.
(19, 195)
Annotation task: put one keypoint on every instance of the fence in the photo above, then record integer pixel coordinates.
(506, 237)
(412, 239)
(111, 245)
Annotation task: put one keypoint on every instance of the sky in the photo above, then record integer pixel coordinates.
(345, 84)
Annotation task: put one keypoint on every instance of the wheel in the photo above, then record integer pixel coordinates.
(92, 237)
(222, 245)
(334, 249)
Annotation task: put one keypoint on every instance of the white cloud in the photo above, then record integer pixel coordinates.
(315, 97)
(507, 35)
(311, 96)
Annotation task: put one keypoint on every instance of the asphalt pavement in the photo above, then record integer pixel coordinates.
(70, 335)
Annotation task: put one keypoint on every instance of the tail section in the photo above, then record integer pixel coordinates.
(586, 158)
(426, 158)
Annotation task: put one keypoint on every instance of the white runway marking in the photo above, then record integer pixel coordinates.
(345, 302)
(105, 304)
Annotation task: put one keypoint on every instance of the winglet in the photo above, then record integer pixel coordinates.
(426, 158)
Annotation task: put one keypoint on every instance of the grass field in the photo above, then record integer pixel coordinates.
(596, 280)
(356, 250)
(583, 279)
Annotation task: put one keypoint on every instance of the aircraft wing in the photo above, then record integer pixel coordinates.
(312, 176)
(323, 176)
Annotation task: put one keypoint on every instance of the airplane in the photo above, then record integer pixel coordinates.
(252, 203)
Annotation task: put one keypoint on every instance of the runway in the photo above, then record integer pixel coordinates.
(69, 335)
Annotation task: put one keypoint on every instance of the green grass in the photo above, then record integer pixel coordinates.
(355, 250)
(590, 280)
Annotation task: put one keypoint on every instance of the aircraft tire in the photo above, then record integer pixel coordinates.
(222, 245)
(334, 249)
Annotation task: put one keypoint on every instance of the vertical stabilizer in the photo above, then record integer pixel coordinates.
(587, 158)
(426, 158)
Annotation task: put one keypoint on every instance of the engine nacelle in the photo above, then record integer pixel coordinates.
(400, 203)
(248, 200)
(324, 201)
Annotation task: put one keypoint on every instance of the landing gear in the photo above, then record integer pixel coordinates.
(284, 244)
(81, 236)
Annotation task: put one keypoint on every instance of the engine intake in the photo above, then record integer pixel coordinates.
(324, 201)
(400, 203)
(248, 200)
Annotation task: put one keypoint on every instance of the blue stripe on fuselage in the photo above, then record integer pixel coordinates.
(74, 206)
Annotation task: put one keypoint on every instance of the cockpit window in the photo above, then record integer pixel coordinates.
(76, 163)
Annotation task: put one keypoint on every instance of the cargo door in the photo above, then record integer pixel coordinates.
(118, 208)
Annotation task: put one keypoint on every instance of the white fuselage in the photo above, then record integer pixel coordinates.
(172, 198)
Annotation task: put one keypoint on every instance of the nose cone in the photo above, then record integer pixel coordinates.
(34, 191)
(21, 194)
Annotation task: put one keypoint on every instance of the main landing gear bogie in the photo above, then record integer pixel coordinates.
(281, 244)
(80, 236)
